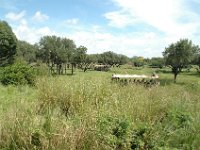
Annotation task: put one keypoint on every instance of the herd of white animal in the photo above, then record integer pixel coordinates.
(147, 80)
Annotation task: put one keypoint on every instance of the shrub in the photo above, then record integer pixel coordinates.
(40, 68)
(17, 74)
(142, 138)
(114, 132)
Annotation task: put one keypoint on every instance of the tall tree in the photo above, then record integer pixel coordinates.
(138, 61)
(8, 44)
(26, 51)
(80, 57)
(156, 62)
(69, 48)
(179, 55)
(56, 51)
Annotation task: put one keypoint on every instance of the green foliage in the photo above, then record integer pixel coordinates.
(26, 51)
(17, 74)
(138, 61)
(196, 59)
(114, 132)
(88, 111)
(8, 44)
(112, 58)
(157, 62)
(172, 129)
(179, 55)
(80, 55)
(142, 138)
(56, 50)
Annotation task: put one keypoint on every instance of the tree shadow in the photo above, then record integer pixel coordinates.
(181, 83)
(196, 74)
(69, 74)
(166, 81)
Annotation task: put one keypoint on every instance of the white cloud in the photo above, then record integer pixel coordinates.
(132, 44)
(119, 19)
(164, 15)
(14, 16)
(31, 34)
(170, 19)
(73, 21)
(26, 32)
(39, 17)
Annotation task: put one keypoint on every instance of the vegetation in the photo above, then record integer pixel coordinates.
(179, 55)
(97, 114)
(26, 52)
(17, 74)
(87, 110)
(8, 44)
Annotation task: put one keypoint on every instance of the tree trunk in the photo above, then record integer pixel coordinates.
(85, 69)
(175, 71)
(72, 69)
(175, 75)
(65, 69)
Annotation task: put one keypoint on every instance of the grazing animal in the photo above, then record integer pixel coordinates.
(134, 78)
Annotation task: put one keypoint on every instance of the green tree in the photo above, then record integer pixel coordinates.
(109, 58)
(112, 58)
(81, 58)
(157, 62)
(93, 58)
(179, 55)
(68, 52)
(26, 51)
(80, 55)
(122, 59)
(138, 61)
(56, 51)
(196, 60)
(8, 44)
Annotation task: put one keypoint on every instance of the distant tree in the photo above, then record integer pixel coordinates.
(8, 44)
(138, 61)
(80, 55)
(26, 51)
(147, 61)
(111, 58)
(56, 51)
(157, 62)
(196, 60)
(122, 59)
(93, 58)
(82, 59)
(179, 55)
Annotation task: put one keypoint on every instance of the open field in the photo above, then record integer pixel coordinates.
(88, 111)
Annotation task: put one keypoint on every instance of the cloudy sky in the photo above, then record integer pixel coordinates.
(130, 27)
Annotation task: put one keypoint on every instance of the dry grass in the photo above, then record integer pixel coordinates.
(88, 111)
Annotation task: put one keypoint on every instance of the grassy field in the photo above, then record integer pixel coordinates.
(87, 111)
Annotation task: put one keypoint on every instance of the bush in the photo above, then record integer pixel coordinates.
(17, 74)
(114, 132)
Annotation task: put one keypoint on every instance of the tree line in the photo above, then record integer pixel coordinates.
(62, 53)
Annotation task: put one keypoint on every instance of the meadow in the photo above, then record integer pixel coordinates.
(87, 111)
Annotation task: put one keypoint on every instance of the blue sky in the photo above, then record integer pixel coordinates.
(130, 27)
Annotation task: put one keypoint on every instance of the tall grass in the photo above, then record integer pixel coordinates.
(88, 111)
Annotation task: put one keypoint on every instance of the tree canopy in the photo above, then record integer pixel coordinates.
(8, 44)
(26, 51)
(179, 55)
(56, 50)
